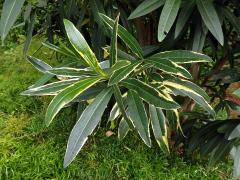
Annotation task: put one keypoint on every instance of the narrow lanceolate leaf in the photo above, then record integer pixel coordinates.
(183, 17)
(122, 73)
(235, 153)
(232, 19)
(235, 133)
(191, 86)
(170, 67)
(211, 19)
(184, 91)
(121, 54)
(49, 89)
(11, 10)
(199, 37)
(84, 127)
(128, 39)
(60, 50)
(167, 17)
(70, 72)
(159, 127)
(123, 129)
(150, 94)
(97, 7)
(81, 46)
(91, 92)
(67, 95)
(119, 100)
(113, 47)
(220, 152)
(81, 107)
(29, 33)
(181, 56)
(39, 64)
(139, 117)
(114, 113)
(146, 7)
(118, 65)
(43, 80)
(174, 119)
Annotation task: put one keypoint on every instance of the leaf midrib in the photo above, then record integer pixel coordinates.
(146, 136)
(4, 29)
(123, 72)
(53, 108)
(50, 86)
(157, 93)
(94, 111)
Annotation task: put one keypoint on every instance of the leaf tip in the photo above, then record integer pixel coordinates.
(24, 93)
(66, 162)
(130, 17)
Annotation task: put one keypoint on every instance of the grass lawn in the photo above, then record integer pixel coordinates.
(29, 150)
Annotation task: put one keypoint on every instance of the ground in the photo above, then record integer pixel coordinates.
(29, 150)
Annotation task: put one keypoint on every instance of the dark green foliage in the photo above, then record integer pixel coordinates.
(130, 78)
(160, 73)
(27, 147)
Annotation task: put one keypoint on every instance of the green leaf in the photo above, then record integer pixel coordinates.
(182, 90)
(70, 72)
(139, 117)
(44, 79)
(220, 151)
(184, 16)
(119, 100)
(104, 64)
(123, 129)
(209, 145)
(60, 50)
(190, 85)
(118, 65)
(114, 113)
(97, 7)
(121, 54)
(211, 19)
(203, 134)
(235, 133)
(67, 95)
(29, 34)
(81, 107)
(150, 94)
(113, 47)
(167, 17)
(84, 127)
(159, 127)
(81, 46)
(235, 153)
(231, 18)
(146, 7)
(181, 56)
(170, 67)
(174, 119)
(11, 10)
(49, 89)
(199, 37)
(123, 73)
(128, 39)
(39, 64)
(91, 92)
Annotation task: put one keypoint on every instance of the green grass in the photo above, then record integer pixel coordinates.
(29, 150)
